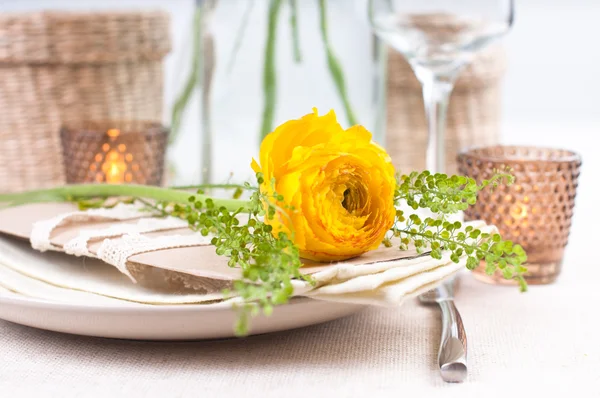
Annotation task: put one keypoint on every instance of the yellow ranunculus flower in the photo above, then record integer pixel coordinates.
(338, 186)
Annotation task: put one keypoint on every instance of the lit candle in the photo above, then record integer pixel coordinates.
(105, 154)
(536, 211)
(114, 168)
(519, 211)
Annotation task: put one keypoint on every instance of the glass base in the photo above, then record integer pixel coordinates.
(537, 274)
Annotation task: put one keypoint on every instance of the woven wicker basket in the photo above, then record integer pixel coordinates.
(67, 68)
(473, 113)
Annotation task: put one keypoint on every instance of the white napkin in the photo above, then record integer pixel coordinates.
(14, 281)
(35, 274)
(59, 277)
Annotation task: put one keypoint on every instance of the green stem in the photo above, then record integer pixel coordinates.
(71, 192)
(438, 238)
(184, 97)
(269, 78)
(334, 65)
(213, 186)
(240, 35)
(295, 31)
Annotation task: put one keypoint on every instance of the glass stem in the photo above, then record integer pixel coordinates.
(436, 93)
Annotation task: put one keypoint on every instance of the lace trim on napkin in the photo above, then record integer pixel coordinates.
(42, 230)
(79, 246)
(117, 251)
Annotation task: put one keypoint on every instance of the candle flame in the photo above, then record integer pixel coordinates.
(115, 159)
(114, 168)
(519, 211)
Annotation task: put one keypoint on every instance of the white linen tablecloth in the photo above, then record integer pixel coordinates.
(544, 342)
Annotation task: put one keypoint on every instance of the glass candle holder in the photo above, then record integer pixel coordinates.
(114, 152)
(535, 211)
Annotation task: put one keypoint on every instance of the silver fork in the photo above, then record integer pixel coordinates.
(452, 356)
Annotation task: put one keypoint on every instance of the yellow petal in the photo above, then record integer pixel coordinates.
(255, 166)
(338, 186)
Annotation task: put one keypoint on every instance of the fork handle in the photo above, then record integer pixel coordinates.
(452, 357)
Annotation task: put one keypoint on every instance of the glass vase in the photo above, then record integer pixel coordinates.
(260, 63)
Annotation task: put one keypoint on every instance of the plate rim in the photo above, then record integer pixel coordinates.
(15, 299)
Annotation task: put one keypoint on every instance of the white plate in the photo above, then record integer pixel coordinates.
(172, 322)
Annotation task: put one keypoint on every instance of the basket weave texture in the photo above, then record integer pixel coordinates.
(61, 68)
(473, 116)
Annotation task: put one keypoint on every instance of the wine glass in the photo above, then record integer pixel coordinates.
(438, 38)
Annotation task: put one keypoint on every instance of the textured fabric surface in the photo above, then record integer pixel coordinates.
(544, 343)
(541, 344)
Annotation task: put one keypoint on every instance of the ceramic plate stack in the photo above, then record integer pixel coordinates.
(121, 273)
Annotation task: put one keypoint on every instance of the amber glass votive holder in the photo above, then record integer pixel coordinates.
(535, 211)
(114, 152)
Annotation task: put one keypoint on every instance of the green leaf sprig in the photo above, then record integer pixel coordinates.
(443, 196)
(268, 262)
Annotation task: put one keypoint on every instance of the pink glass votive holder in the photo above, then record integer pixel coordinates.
(535, 211)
